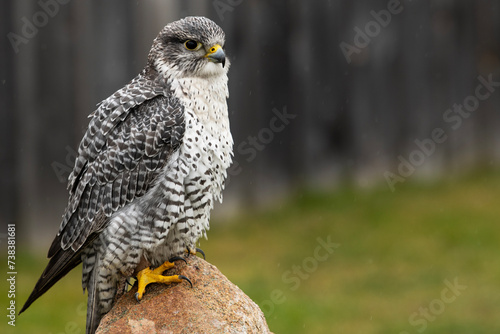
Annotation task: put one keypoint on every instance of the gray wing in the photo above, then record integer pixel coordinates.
(127, 143)
(129, 139)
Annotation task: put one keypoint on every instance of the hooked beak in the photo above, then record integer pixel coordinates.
(216, 54)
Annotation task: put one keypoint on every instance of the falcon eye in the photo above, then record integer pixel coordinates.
(192, 45)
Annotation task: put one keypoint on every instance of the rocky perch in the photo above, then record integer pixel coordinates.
(213, 305)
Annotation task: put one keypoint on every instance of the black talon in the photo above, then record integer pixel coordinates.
(187, 279)
(128, 281)
(201, 252)
(137, 297)
(175, 258)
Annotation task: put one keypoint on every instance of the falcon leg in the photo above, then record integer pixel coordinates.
(121, 289)
(148, 275)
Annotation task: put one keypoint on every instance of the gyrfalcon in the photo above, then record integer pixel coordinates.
(149, 168)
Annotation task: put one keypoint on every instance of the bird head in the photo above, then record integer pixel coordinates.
(190, 47)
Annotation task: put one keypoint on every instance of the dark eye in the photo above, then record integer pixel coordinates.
(192, 45)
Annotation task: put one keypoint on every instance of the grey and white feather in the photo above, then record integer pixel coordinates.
(149, 168)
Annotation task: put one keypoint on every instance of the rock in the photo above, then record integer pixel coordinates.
(213, 305)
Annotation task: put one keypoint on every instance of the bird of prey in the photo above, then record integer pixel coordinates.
(149, 168)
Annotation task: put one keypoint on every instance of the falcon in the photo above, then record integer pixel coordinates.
(150, 166)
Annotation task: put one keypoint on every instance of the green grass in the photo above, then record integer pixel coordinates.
(395, 252)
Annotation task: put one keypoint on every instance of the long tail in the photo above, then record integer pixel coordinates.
(94, 313)
(61, 263)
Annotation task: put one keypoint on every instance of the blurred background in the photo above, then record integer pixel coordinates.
(373, 124)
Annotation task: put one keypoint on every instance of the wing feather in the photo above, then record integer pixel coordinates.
(113, 168)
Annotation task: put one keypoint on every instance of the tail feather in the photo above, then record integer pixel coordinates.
(94, 313)
(59, 265)
(61, 262)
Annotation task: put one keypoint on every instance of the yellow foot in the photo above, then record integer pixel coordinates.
(194, 251)
(148, 275)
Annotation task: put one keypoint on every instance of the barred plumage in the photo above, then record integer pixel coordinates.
(149, 168)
